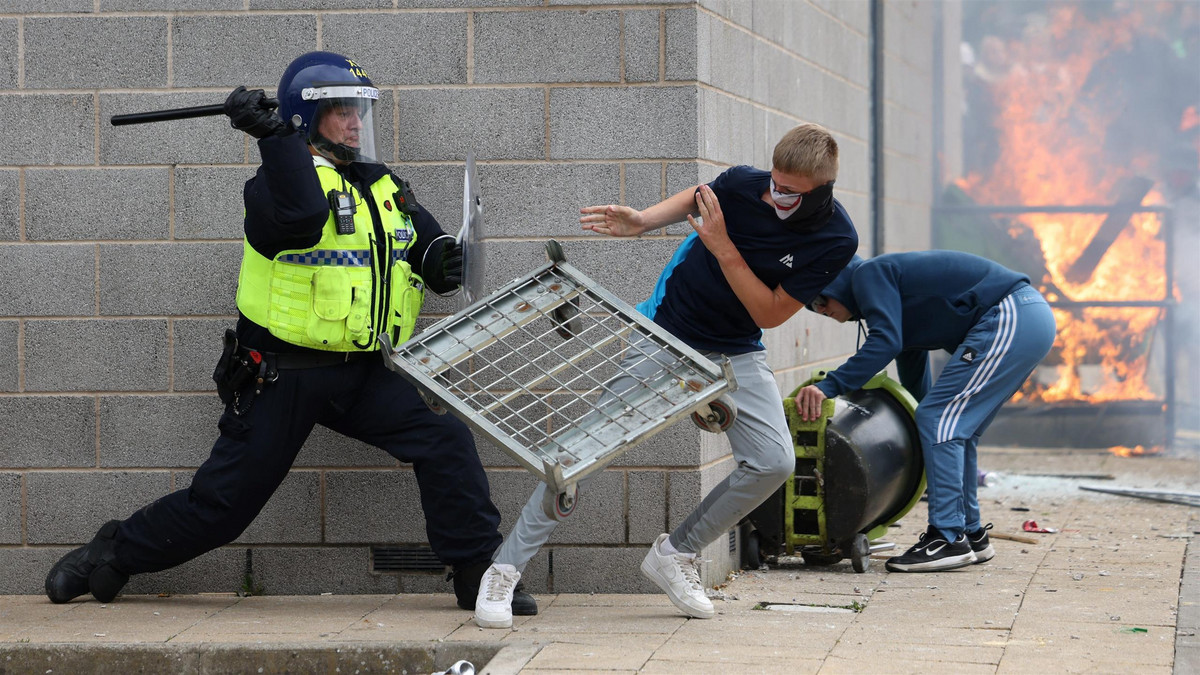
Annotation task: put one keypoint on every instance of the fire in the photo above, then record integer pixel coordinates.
(1051, 154)
(1135, 451)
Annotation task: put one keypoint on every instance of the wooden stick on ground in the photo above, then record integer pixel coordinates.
(1012, 537)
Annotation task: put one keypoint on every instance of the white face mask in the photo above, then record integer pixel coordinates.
(784, 204)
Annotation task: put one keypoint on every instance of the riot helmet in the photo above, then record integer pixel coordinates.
(330, 100)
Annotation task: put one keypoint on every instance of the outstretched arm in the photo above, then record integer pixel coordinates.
(622, 221)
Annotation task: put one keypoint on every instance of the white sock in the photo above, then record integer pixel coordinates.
(666, 548)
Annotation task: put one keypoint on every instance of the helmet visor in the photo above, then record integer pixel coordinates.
(344, 125)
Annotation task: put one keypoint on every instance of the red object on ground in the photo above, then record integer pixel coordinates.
(1032, 526)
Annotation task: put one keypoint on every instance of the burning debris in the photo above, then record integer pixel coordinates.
(1081, 148)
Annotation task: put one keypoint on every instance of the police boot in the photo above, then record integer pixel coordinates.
(466, 589)
(88, 568)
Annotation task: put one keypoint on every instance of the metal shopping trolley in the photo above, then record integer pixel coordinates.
(537, 368)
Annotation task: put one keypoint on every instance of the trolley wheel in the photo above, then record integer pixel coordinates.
(860, 553)
(560, 506)
(819, 558)
(566, 319)
(554, 251)
(717, 416)
(434, 404)
(751, 551)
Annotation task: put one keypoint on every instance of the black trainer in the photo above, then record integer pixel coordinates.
(981, 545)
(466, 590)
(88, 568)
(932, 553)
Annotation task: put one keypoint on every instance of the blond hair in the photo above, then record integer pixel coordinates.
(808, 150)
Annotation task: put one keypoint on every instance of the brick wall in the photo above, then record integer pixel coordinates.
(119, 246)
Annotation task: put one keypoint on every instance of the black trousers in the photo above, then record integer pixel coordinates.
(361, 399)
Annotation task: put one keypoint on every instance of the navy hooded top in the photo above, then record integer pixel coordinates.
(692, 298)
(913, 303)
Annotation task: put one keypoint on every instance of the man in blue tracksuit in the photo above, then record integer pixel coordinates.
(997, 327)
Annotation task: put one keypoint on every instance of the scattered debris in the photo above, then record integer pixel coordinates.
(1032, 526)
(1013, 537)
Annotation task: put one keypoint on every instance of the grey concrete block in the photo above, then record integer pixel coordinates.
(647, 506)
(196, 345)
(125, 203)
(104, 355)
(727, 128)
(372, 506)
(207, 140)
(25, 569)
(340, 571)
(543, 199)
(219, 571)
(8, 45)
(66, 129)
(465, 4)
(623, 123)
(11, 521)
(599, 517)
(327, 448)
(246, 57)
(683, 45)
(9, 337)
(291, 516)
(495, 123)
(580, 46)
(95, 52)
(10, 193)
(67, 507)
(157, 431)
(600, 570)
(41, 280)
(643, 184)
(406, 49)
(169, 5)
(173, 279)
(642, 40)
(684, 493)
(321, 4)
(48, 431)
(857, 15)
(677, 445)
(208, 201)
(30, 6)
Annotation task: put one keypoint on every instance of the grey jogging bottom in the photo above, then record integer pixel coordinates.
(759, 439)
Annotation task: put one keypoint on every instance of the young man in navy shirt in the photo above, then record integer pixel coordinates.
(997, 328)
(765, 245)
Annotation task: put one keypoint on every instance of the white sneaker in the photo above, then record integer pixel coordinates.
(678, 575)
(493, 605)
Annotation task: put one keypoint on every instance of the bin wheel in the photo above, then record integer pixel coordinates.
(717, 415)
(751, 551)
(818, 558)
(434, 404)
(860, 553)
(560, 506)
(566, 319)
(554, 251)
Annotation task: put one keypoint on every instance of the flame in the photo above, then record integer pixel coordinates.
(1135, 451)
(1051, 154)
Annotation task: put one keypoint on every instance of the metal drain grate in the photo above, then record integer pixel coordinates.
(405, 560)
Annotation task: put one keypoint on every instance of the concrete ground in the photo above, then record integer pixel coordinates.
(1115, 589)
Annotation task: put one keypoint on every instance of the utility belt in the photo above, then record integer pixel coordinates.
(243, 372)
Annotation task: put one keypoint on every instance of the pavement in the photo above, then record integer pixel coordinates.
(1115, 588)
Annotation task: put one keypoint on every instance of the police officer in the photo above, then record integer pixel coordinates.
(336, 253)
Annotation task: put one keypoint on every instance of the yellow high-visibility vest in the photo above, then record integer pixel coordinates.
(341, 294)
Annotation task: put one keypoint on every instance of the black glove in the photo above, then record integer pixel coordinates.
(444, 269)
(249, 111)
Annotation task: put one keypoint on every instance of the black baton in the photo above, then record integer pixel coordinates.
(177, 113)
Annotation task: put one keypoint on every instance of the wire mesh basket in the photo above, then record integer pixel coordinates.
(537, 368)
